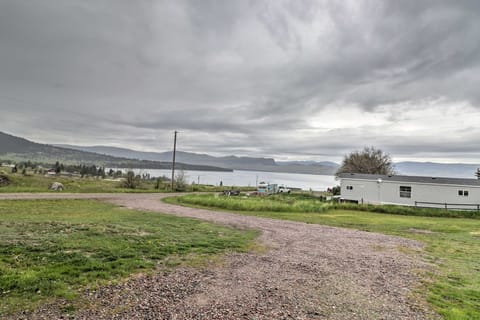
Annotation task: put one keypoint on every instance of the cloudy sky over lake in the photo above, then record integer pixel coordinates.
(285, 79)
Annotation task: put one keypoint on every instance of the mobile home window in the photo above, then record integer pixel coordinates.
(405, 192)
(463, 193)
(349, 187)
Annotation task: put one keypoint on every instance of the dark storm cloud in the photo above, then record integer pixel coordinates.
(275, 78)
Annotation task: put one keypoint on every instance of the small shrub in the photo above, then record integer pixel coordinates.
(4, 180)
(336, 190)
(131, 181)
(180, 181)
(157, 183)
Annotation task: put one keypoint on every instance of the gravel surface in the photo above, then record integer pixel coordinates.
(309, 272)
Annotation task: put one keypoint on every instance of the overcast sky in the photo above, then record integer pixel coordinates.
(285, 79)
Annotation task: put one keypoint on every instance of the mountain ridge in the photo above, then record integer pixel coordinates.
(231, 162)
(421, 168)
(20, 149)
(437, 169)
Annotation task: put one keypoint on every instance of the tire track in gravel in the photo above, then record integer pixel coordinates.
(309, 272)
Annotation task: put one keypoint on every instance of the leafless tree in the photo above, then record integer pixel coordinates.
(369, 160)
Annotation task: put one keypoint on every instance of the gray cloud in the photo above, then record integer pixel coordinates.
(297, 79)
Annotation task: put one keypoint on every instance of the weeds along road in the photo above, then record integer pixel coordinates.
(307, 272)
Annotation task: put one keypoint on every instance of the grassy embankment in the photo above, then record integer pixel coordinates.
(53, 248)
(41, 183)
(453, 244)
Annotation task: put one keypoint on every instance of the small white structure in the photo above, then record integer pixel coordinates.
(451, 193)
(267, 188)
(7, 165)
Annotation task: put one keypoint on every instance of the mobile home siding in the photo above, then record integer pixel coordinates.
(388, 192)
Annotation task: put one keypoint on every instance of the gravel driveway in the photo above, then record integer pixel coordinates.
(309, 272)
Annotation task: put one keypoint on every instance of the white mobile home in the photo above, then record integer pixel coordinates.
(452, 193)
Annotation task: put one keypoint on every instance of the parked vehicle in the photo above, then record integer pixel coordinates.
(283, 189)
(265, 188)
(231, 193)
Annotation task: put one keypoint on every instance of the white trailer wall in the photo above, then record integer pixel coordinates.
(388, 192)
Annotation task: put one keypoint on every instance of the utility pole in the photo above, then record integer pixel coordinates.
(173, 160)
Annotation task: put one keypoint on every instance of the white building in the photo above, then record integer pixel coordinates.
(453, 193)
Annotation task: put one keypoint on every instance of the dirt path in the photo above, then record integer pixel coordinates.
(310, 272)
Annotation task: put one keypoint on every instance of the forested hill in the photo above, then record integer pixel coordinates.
(19, 149)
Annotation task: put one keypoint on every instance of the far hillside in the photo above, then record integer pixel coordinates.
(231, 162)
(19, 149)
(455, 170)
(432, 169)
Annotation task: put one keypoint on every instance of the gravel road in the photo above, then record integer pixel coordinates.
(309, 272)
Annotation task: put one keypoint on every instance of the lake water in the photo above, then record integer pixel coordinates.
(242, 178)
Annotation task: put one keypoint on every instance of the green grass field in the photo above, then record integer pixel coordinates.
(53, 248)
(303, 202)
(41, 183)
(273, 203)
(452, 244)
